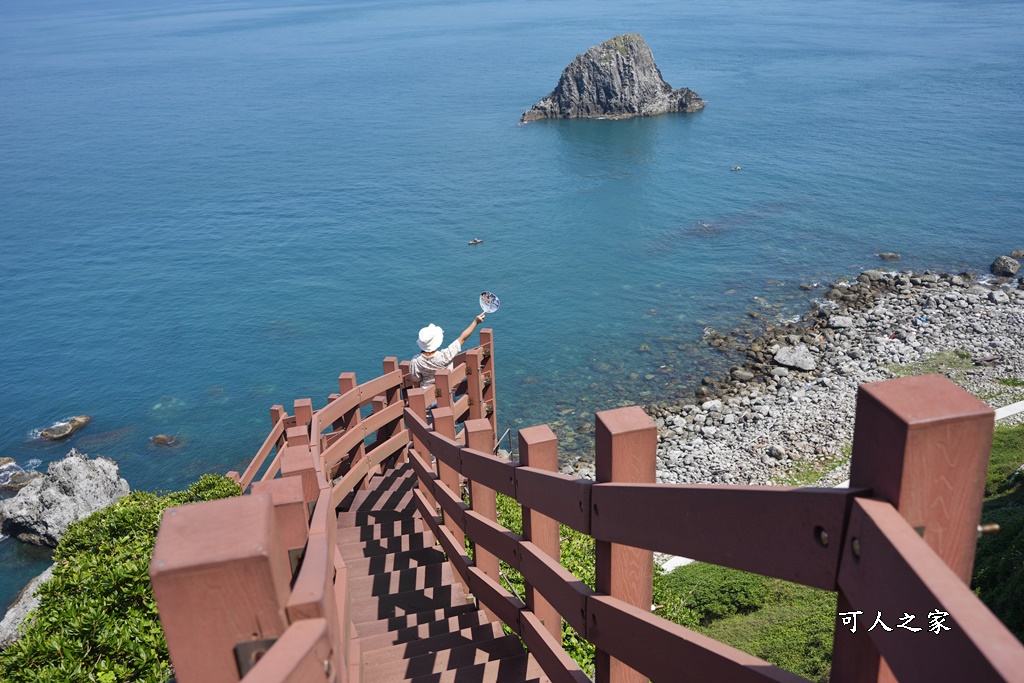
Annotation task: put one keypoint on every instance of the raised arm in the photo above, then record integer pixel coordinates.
(469, 330)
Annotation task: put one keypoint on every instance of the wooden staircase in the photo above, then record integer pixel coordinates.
(412, 618)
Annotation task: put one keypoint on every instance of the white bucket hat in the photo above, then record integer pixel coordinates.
(431, 337)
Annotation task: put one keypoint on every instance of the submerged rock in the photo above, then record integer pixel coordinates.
(618, 79)
(63, 430)
(72, 489)
(165, 440)
(889, 256)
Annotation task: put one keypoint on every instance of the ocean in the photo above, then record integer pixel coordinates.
(210, 208)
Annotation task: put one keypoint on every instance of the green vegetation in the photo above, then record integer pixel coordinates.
(1015, 382)
(999, 563)
(97, 618)
(950, 363)
(808, 471)
(783, 623)
(577, 556)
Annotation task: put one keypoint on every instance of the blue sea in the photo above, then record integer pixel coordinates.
(210, 208)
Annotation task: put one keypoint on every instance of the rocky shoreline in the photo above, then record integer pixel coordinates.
(790, 405)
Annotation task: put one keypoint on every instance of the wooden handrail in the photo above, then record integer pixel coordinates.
(272, 441)
(883, 544)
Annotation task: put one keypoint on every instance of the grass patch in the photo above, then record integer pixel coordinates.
(951, 363)
(809, 471)
(784, 623)
(1011, 382)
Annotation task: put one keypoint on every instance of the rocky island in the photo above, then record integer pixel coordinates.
(616, 79)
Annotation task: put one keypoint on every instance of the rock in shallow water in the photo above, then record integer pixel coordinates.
(63, 430)
(1004, 266)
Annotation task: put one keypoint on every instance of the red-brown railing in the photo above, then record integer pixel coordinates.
(900, 540)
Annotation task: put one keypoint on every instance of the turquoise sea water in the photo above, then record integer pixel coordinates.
(209, 208)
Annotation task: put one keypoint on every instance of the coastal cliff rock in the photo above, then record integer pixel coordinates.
(10, 627)
(72, 489)
(618, 79)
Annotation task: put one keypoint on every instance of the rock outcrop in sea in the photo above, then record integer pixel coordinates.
(616, 79)
(72, 489)
(63, 430)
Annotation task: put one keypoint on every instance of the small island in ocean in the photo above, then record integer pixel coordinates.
(616, 79)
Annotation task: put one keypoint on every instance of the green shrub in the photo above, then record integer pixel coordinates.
(712, 592)
(97, 618)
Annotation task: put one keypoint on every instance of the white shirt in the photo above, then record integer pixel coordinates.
(422, 368)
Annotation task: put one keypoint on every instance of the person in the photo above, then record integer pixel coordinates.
(425, 365)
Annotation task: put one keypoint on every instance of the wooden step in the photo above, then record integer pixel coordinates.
(381, 516)
(447, 660)
(387, 606)
(519, 669)
(377, 564)
(401, 581)
(387, 499)
(445, 641)
(427, 630)
(387, 546)
(372, 532)
(368, 629)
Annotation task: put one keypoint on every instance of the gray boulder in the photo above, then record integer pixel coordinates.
(798, 357)
(617, 78)
(840, 322)
(72, 489)
(889, 256)
(1017, 254)
(1004, 266)
(25, 603)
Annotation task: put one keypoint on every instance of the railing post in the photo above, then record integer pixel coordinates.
(393, 396)
(490, 401)
(626, 452)
(220, 577)
(290, 513)
(443, 388)
(922, 444)
(350, 420)
(419, 399)
(538, 448)
(276, 413)
(444, 424)
(297, 461)
(475, 383)
(483, 500)
(303, 413)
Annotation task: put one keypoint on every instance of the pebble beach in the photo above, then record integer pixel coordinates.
(790, 406)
